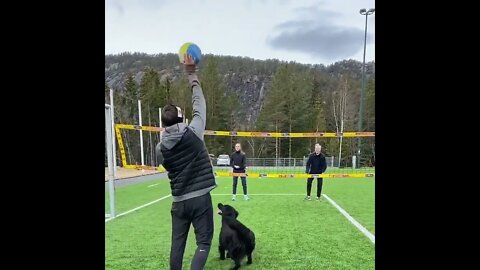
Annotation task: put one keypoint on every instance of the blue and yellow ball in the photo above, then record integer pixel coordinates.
(191, 49)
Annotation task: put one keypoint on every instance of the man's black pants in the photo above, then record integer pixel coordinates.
(319, 186)
(198, 212)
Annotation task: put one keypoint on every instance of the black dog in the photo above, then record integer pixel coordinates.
(235, 238)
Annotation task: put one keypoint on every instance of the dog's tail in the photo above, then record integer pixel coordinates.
(252, 236)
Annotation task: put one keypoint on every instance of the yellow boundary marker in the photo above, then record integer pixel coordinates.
(297, 175)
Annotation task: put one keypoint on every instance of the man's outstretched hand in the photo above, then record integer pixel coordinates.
(189, 63)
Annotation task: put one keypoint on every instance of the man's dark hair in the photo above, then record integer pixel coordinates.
(171, 116)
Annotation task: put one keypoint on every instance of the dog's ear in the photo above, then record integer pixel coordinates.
(220, 206)
(236, 213)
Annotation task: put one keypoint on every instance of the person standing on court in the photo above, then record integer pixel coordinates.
(316, 164)
(238, 161)
(183, 154)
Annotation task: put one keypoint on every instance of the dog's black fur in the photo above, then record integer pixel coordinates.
(235, 238)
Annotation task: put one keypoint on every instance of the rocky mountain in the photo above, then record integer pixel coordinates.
(250, 79)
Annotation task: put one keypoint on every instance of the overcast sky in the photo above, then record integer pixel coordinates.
(315, 32)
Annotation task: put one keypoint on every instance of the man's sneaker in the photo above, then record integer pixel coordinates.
(245, 197)
(318, 198)
(308, 198)
(234, 197)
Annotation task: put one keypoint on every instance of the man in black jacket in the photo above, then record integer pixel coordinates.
(183, 154)
(238, 161)
(316, 164)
